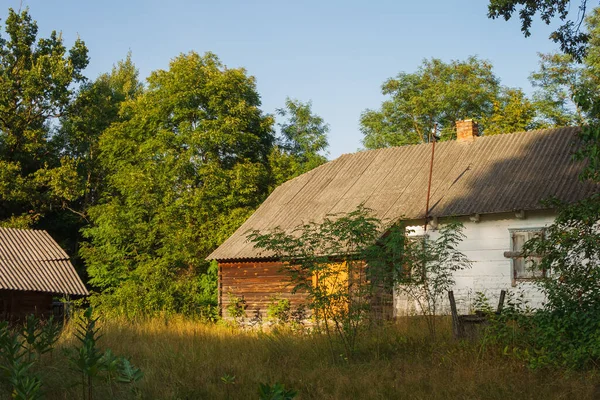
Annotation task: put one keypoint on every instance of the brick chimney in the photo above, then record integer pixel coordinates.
(466, 130)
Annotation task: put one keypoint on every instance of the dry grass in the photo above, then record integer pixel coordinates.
(186, 360)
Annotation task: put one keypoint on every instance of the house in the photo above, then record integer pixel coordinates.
(495, 185)
(33, 270)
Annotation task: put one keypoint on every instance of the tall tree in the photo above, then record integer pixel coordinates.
(37, 78)
(439, 94)
(185, 169)
(512, 112)
(95, 108)
(556, 82)
(301, 144)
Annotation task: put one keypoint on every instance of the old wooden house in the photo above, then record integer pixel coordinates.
(34, 270)
(495, 185)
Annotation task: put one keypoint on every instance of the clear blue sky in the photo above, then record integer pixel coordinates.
(335, 53)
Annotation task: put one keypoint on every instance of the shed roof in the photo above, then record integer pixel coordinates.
(31, 260)
(490, 174)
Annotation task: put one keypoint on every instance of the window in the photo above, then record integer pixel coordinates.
(413, 270)
(522, 266)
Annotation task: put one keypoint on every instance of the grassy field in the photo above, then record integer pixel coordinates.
(187, 360)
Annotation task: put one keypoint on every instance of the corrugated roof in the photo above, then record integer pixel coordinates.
(32, 260)
(491, 174)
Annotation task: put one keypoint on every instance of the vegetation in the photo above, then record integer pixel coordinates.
(21, 352)
(186, 359)
(429, 271)
(436, 96)
(343, 264)
(141, 181)
(572, 40)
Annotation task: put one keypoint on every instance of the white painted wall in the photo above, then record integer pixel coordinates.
(485, 244)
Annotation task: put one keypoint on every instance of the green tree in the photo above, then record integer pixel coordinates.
(439, 94)
(37, 78)
(185, 169)
(513, 112)
(301, 143)
(325, 260)
(572, 39)
(95, 108)
(556, 82)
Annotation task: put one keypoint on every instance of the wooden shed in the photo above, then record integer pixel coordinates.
(34, 270)
(496, 185)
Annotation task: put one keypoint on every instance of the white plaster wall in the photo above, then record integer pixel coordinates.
(485, 244)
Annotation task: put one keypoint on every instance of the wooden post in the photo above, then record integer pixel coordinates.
(456, 328)
(501, 301)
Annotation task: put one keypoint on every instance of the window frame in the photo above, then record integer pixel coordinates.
(514, 277)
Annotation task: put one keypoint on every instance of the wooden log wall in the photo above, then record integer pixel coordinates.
(256, 283)
(16, 304)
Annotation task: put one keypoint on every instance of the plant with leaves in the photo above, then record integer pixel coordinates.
(301, 143)
(437, 95)
(236, 308)
(572, 39)
(37, 77)
(279, 310)
(185, 168)
(16, 364)
(567, 328)
(92, 363)
(556, 82)
(277, 391)
(87, 358)
(325, 260)
(430, 264)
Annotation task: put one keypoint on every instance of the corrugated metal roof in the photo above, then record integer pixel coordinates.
(491, 174)
(32, 260)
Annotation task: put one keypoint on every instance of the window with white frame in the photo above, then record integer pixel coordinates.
(523, 267)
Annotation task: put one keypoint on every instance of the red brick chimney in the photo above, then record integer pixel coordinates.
(466, 130)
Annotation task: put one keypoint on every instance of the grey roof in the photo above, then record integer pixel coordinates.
(31, 260)
(490, 174)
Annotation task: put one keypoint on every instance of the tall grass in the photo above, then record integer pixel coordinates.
(183, 359)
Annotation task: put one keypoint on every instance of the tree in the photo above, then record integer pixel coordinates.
(95, 108)
(439, 94)
(430, 265)
(513, 112)
(556, 83)
(572, 39)
(184, 169)
(37, 77)
(301, 142)
(326, 261)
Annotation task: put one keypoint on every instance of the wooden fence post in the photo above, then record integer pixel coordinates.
(501, 301)
(456, 328)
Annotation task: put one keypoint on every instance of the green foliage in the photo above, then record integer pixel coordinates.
(184, 170)
(16, 363)
(442, 93)
(565, 332)
(236, 307)
(556, 83)
(277, 391)
(430, 265)
(279, 310)
(572, 40)
(325, 261)
(301, 142)
(92, 363)
(36, 85)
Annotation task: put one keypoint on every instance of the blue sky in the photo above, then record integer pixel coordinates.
(335, 53)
